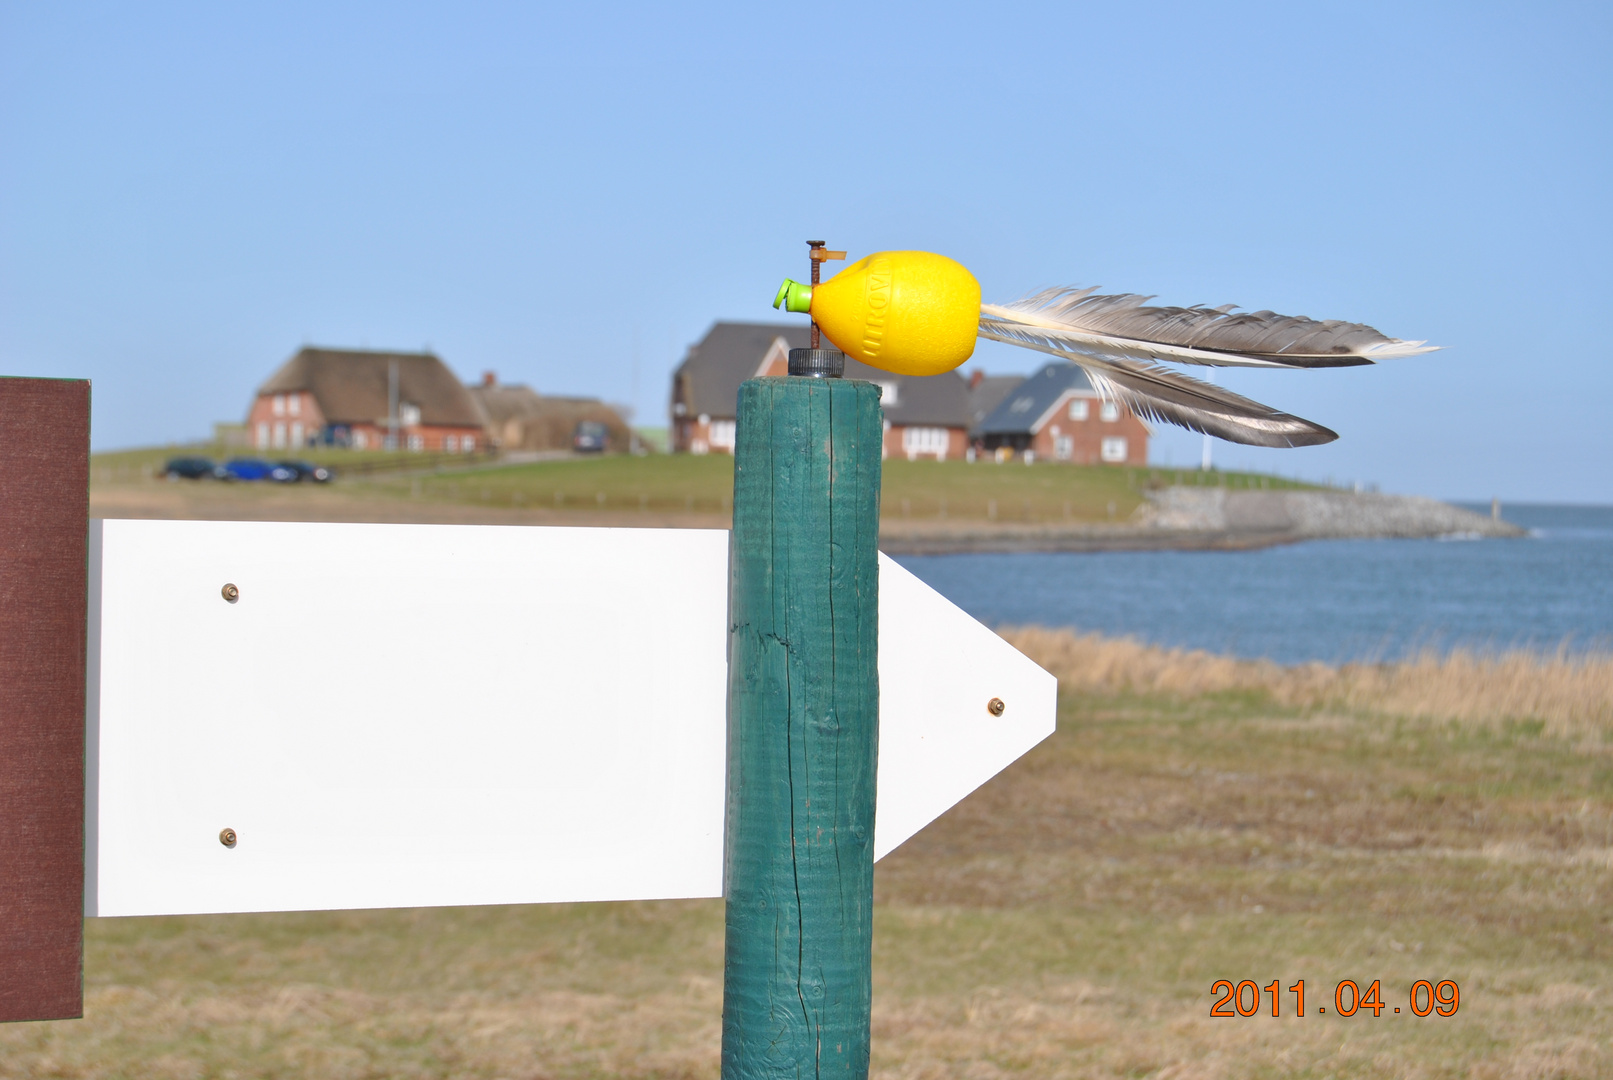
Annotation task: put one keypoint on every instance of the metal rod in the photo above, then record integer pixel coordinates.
(814, 245)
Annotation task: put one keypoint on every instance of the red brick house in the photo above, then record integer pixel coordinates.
(363, 400)
(1057, 415)
(925, 417)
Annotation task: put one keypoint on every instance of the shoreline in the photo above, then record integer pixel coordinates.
(1173, 519)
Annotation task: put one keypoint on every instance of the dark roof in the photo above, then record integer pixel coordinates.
(351, 386)
(988, 394)
(921, 400)
(730, 353)
(1019, 411)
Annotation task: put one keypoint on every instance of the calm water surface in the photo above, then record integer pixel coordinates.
(1329, 600)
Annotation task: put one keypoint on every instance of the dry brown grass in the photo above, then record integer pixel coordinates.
(1065, 921)
(1571, 695)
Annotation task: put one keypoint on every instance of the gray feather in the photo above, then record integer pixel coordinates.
(1124, 326)
(1167, 396)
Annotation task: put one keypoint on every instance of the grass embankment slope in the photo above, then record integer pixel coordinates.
(624, 488)
(1194, 819)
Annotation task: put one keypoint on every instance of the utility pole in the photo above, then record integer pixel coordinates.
(392, 404)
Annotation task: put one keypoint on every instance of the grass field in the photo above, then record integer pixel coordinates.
(684, 483)
(1194, 819)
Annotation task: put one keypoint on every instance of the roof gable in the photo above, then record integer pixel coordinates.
(1030, 404)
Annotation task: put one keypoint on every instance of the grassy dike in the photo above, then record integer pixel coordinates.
(1193, 819)
(622, 486)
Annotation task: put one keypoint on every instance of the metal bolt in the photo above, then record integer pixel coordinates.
(227, 837)
(996, 707)
(230, 592)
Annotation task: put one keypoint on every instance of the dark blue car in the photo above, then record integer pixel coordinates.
(248, 468)
(189, 468)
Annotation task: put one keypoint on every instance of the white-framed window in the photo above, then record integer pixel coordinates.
(468, 444)
(417, 442)
(450, 443)
(1079, 408)
(263, 435)
(296, 431)
(278, 405)
(409, 415)
(1063, 447)
(294, 404)
(889, 394)
(360, 440)
(722, 434)
(1109, 412)
(1113, 448)
(924, 440)
(279, 439)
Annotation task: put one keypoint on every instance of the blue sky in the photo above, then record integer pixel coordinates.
(571, 195)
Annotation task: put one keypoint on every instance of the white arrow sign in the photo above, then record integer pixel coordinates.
(417, 715)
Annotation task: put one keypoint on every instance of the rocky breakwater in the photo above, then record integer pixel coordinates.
(1282, 516)
(1211, 518)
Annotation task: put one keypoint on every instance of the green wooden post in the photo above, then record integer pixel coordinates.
(803, 729)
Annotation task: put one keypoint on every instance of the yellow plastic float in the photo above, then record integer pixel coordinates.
(910, 312)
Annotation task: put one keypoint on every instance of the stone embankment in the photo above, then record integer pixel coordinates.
(1211, 518)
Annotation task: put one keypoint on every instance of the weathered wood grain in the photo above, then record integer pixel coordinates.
(803, 729)
(44, 519)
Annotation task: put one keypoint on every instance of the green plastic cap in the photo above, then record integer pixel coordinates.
(794, 296)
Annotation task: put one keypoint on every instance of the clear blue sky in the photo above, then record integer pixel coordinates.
(188, 193)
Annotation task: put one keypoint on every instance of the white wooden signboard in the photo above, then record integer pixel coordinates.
(416, 715)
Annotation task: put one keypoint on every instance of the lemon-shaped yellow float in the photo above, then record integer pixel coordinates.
(910, 312)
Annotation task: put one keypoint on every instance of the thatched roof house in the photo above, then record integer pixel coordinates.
(517, 417)
(358, 398)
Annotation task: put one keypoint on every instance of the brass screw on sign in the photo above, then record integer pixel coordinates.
(996, 707)
(230, 592)
(227, 837)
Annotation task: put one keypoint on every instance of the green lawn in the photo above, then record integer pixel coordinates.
(913, 489)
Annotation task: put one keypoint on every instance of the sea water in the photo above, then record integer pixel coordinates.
(1329, 600)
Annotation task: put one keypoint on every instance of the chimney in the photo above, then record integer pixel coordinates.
(976, 378)
(489, 378)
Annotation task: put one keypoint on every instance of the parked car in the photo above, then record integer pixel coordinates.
(307, 470)
(188, 468)
(590, 437)
(247, 468)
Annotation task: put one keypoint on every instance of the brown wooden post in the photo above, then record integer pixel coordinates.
(44, 524)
